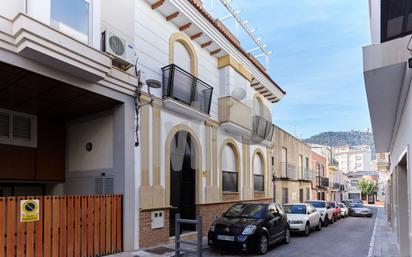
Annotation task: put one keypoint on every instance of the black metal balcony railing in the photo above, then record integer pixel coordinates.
(336, 186)
(322, 181)
(182, 86)
(262, 128)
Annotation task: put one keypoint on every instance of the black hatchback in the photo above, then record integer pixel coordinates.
(250, 226)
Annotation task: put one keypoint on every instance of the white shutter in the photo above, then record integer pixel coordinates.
(258, 167)
(4, 125)
(22, 130)
(228, 159)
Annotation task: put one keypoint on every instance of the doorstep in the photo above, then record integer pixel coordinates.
(166, 250)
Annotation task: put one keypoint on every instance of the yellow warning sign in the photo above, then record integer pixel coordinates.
(29, 210)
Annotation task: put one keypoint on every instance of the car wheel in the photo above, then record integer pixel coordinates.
(326, 221)
(331, 220)
(319, 227)
(286, 239)
(262, 247)
(307, 229)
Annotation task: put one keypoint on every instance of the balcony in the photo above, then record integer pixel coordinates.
(287, 171)
(322, 182)
(184, 93)
(235, 116)
(335, 186)
(307, 175)
(262, 130)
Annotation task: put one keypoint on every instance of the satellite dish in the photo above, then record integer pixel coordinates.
(239, 93)
(152, 83)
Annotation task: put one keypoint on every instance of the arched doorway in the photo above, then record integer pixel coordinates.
(182, 179)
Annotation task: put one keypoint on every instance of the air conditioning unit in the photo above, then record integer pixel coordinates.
(123, 52)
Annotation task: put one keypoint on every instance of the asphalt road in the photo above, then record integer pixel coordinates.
(349, 237)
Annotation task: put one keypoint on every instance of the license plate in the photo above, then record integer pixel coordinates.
(225, 238)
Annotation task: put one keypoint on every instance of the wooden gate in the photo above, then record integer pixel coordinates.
(68, 226)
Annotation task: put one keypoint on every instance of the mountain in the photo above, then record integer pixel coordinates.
(343, 138)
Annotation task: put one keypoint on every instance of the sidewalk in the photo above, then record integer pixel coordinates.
(383, 241)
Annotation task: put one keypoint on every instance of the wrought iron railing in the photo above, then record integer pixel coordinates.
(335, 185)
(262, 128)
(182, 86)
(322, 181)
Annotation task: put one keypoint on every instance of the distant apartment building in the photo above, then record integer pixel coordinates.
(292, 168)
(320, 180)
(335, 175)
(388, 75)
(353, 158)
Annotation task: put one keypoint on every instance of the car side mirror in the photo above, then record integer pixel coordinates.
(270, 216)
(328, 207)
(309, 212)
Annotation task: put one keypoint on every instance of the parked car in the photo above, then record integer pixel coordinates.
(356, 209)
(343, 210)
(303, 217)
(347, 202)
(336, 210)
(326, 212)
(250, 226)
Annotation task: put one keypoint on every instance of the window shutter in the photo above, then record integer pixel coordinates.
(22, 129)
(4, 125)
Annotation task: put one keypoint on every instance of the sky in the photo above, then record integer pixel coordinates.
(316, 58)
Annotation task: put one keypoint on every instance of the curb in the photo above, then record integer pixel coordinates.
(372, 242)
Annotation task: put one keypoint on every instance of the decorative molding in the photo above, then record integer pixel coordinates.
(157, 4)
(228, 60)
(208, 43)
(185, 26)
(215, 51)
(187, 43)
(196, 36)
(172, 16)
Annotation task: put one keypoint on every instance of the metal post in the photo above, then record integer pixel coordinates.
(199, 236)
(177, 235)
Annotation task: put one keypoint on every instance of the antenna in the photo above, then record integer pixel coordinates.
(250, 32)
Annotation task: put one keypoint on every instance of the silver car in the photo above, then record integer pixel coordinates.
(357, 210)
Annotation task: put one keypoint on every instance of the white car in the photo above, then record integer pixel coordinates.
(344, 211)
(326, 211)
(302, 217)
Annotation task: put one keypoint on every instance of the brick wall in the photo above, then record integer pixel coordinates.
(152, 237)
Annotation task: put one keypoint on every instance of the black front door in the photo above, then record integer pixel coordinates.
(182, 180)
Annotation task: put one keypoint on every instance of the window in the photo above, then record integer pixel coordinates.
(73, 17)
(283, 162)
(301, 195)
(229, 172)
(300, 166)
(285, 198)
(354, 183)
(258, 174)
(307, 194)
(18, 128)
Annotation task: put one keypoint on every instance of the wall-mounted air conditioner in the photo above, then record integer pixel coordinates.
(122, 51)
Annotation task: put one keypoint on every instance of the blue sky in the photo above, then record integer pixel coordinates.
(317, 59)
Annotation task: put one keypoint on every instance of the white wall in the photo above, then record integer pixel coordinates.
(10, 8)
(99, 132)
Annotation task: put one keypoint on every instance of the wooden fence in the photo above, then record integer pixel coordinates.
(68, 226)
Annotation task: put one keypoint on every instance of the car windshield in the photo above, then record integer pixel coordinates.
(355, 205)
(295, 208)
(332, 204)
(246, 211)
(318, 204)
(341, 205)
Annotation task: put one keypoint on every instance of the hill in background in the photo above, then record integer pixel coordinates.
(351, 138)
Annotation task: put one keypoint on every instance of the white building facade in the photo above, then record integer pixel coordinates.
(387, 76)
(353, 158)
(200, 142)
